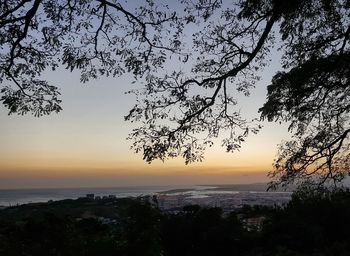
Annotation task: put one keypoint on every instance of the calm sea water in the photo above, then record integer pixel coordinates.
(22, 196)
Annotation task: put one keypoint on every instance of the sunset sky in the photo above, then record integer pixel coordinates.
(85, 144)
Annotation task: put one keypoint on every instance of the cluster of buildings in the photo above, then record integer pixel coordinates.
(227, 201)
(93, 197)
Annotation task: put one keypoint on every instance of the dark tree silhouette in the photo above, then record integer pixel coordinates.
(315, 97)
(96, 37)
(182, 110)
(313, 94)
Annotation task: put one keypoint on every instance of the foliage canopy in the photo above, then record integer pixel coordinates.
(180, 111)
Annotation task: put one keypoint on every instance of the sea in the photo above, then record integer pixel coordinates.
(11, 197)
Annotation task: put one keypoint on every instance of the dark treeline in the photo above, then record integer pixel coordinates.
(311, 224)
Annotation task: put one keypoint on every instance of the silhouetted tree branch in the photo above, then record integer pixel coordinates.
(97, 37)
(315, 97)
(190, 85)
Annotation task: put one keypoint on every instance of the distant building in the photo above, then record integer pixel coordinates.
(90, 196)
(106, 221)
(254, 224)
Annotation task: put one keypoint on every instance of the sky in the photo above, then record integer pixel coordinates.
(85, 144)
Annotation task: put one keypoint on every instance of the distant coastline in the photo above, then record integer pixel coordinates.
(10, 197)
